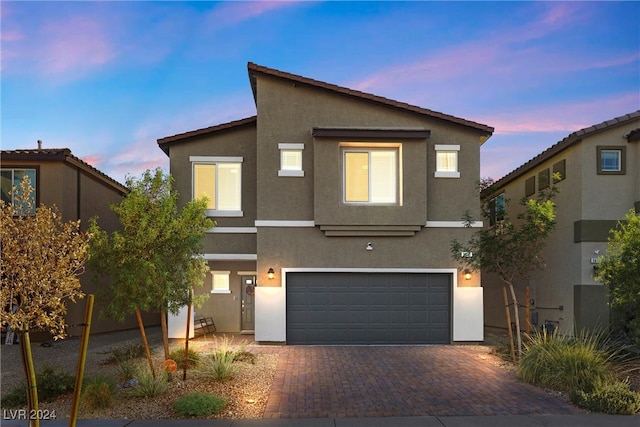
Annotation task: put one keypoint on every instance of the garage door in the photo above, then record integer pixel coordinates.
(368, 308)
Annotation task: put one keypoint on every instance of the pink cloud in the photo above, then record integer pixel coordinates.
(233, 12)
(77, 43)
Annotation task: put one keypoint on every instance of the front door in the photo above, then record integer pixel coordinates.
(248, 292)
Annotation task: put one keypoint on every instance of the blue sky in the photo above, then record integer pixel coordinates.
(107, 79)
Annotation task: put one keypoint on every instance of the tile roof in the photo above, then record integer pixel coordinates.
(565, 143)
(255, 69)
(62, 155)
(167, 141)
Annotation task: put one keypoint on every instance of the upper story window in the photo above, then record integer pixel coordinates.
(370, 175)
(11, 178)
(496, 209)
(220, 180)
(290, 159)
(611, 160)
(447, 161)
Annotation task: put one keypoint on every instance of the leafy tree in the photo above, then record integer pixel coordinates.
(510, 249)
(619, 270)
(41, 259)
(152, 261)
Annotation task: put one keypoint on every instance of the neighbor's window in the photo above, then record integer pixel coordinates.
(370, 175)
(220, 282)
(220, 180)
(11, 178)
(291, 160)
(496, 209)
(611, 160)
(447, 161)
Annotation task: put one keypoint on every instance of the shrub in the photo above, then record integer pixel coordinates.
(218, 366)
(199, 405)
(614, 398)
(51, 384)
(177, 355)
(98, 392)
(148, 385)
(125, 352)
(567, 363)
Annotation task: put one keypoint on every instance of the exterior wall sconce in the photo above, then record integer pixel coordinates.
(467, 274)
(369, 246)
(271, 273)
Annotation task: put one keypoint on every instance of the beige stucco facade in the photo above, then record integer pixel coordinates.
(302, 222)
(588, 205)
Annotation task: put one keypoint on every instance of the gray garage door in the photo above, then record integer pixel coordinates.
(368, 308)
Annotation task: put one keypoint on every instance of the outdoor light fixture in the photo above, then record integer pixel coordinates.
(369, 246)
(271, 273)
(467, 274)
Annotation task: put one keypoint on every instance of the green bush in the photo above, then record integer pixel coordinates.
(193, 357)
(50, 383)
(199, 405)
(568, 363)
(148, 385)
(126, 352)
(98, 392)
(614, 398)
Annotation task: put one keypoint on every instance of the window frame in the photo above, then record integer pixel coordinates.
(622, 160)
(396, 148)
(220, 273)
(208, 160)
(497, 216)
(448, 149)
(34, 184)
(291, 148)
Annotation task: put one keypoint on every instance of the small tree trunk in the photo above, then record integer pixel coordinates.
(32, 392)
(186, 340)
(165, 333)
(144, 341)
(506, 311)
(515, 310)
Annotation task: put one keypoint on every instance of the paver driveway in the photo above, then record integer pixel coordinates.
(384, 381)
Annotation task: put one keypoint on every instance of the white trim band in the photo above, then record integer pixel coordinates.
(284, 223)
(233, 230)
(452, 224)
(216, 159)
(230, 257)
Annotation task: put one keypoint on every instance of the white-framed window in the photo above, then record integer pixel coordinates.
(611, 160)
(447, 161)
(10, 178)
(220, 282)
(371, 175)
(291, 159)
(220, 180)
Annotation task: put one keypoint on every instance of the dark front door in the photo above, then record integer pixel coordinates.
(248, 291)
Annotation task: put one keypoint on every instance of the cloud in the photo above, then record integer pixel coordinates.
(231, 13)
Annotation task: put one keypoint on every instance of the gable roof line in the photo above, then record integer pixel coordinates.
(62, 155)
(167, 141)
(259, 69)
(568, 141)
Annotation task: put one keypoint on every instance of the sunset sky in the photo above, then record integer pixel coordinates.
(107, 79)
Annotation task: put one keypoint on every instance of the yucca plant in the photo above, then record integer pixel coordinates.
(147, 384)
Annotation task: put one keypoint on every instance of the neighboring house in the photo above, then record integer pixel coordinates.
(80, 191)
(599, 184)
(335, 209)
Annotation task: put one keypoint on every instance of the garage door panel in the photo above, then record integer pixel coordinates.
(368, 308)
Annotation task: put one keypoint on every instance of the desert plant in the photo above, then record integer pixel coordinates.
(566, 363)
(98, 392)
(177, 355)
(199, 405)
(125, 352)
(51, 384)
(148, 384)
(218, 366)
(614, 398)
(243, 355)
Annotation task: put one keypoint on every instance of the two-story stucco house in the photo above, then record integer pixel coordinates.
(80, 191)
(334, 210)
(599, 184)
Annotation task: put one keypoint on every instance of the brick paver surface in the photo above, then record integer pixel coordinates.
(385, 381)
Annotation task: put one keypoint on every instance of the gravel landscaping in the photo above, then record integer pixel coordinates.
(247, 392)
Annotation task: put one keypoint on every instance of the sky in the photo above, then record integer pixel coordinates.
(108, 78)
